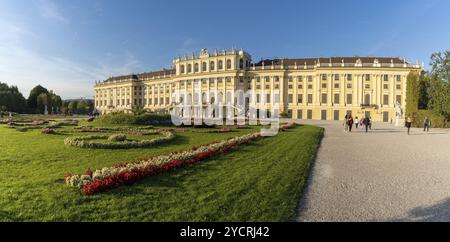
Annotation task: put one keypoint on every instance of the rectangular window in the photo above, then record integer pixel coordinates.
(290, 86)
(300, 78)
(324, 85)
(349, 77)
(310, 78)
(289, 113)
(367, 86)
(336, 114)
(336, 85)
(299, 114)
(349, 85)
(267, 86)
(336, 98)
(385, 78)
(324, 98)
(398, 99)
(324, 77)
(300, 86)
(309, 114)
(349, 98)
(367, 77)
(290, 98)
(310, 87)
(258, 98)
(386, 86)
(267, 98)
(398, 78)
(300, 98)
(310, 98)
(399, 87)
(336, 77)
(385, 99)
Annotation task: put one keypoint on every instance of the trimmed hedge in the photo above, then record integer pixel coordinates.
(127, 118)
(117, 137)
(83, 142)
(437, 121)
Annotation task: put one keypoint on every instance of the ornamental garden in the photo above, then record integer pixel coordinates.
(109, 170)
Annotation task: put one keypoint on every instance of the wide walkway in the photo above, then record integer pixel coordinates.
(383, 175)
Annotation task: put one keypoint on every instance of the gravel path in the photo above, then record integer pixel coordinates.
(384, 175)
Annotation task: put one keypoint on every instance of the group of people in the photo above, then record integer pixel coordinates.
(363, 123)
(367, 123)
(426, 124)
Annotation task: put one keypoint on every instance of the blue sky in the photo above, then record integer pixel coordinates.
(66, 45)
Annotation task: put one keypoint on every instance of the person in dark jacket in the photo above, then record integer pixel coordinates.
(408, 123)
(366, 123)
(426, 125)
(350, 123)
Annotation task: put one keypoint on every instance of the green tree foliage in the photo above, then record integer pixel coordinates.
(11, 99)
(412, 93)
(439, 84)
(33, 97)
(72, 107)
(43, 100)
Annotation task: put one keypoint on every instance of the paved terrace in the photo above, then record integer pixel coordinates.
(384, 175)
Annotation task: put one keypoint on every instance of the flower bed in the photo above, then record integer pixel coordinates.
(48, 131)
(83, 141)
(128, 130)
(127, 173)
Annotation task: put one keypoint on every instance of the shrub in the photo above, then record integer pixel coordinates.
(284, 115)
(117, 137)
(48, 131)
(22, 129)
(437, 121)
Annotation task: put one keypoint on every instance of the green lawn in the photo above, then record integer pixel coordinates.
(261, 181)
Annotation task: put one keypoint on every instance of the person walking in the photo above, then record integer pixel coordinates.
(426, 125)
(366, 123)
(350, 123)
(408, 124)
(370, 123)
(346, 123)
(356, 122)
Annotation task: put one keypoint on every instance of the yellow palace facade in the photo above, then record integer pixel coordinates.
(304, 88)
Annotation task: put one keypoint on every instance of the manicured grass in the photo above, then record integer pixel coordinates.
(261, 181)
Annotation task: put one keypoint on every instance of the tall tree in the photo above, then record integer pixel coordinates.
(439, 85)
(42, 101)
(11, 99)
(34, 93)
(412, 93)
(72, 107)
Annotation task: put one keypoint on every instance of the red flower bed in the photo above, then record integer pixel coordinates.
(130, 177)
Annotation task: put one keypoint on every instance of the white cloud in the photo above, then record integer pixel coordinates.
(49, 10)
(24, 67)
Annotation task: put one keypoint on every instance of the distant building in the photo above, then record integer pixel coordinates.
(307, 88)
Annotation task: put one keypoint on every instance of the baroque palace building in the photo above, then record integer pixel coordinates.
(308, 88)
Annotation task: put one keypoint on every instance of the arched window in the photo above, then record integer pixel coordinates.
(241, 64)
(189, 68)
(367, 99)
(204, 66)
(211, 66)
(196, 67)
(182, 69)
(228, 64)
(204, 99)
(220, 65)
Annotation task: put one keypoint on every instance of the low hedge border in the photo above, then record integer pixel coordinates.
(83, 141)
